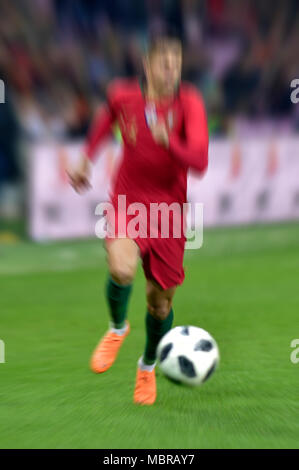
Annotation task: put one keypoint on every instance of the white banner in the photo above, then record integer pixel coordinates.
(56, 210)
(249, 182)
(246, 182)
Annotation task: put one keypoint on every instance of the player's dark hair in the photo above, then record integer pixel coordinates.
(160, 42)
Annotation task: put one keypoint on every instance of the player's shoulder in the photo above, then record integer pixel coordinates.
(189, 92)
(122, 88)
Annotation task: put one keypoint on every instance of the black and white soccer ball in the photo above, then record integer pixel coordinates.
(188, 354)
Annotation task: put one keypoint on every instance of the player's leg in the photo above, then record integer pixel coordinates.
(158, 321)
(122, 257)
(159, 318)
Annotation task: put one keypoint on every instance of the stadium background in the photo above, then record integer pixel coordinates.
(56, 59)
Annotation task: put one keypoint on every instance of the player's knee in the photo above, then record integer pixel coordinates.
(160, 311)
(122, 274)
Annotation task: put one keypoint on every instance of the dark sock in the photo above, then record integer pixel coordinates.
(118, 298)
(155, 330)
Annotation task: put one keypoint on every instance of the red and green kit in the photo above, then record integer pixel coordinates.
(150, 173)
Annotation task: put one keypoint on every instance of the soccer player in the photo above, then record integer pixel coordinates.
(164, 131)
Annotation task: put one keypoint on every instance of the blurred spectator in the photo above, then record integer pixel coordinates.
(9, 170)
(59, 55)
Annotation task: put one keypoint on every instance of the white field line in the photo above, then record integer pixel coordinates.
(62, 260)
(68, 259)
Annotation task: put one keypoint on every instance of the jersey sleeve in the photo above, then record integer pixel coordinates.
(193, 150)
(101, 126)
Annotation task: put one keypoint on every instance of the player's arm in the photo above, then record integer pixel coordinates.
(100, 129)
(192, 151)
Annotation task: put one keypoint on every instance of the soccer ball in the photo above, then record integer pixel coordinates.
(188, 354)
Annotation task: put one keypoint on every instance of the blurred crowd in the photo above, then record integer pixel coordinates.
(57, 57)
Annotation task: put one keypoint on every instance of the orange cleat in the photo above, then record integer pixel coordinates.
(106, 351)
(145, 389)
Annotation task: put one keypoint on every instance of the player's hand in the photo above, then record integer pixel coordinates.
(160, 133)
(79, 176)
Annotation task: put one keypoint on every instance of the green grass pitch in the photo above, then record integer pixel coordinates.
(242, 286)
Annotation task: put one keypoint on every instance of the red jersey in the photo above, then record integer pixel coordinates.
(148, 171)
